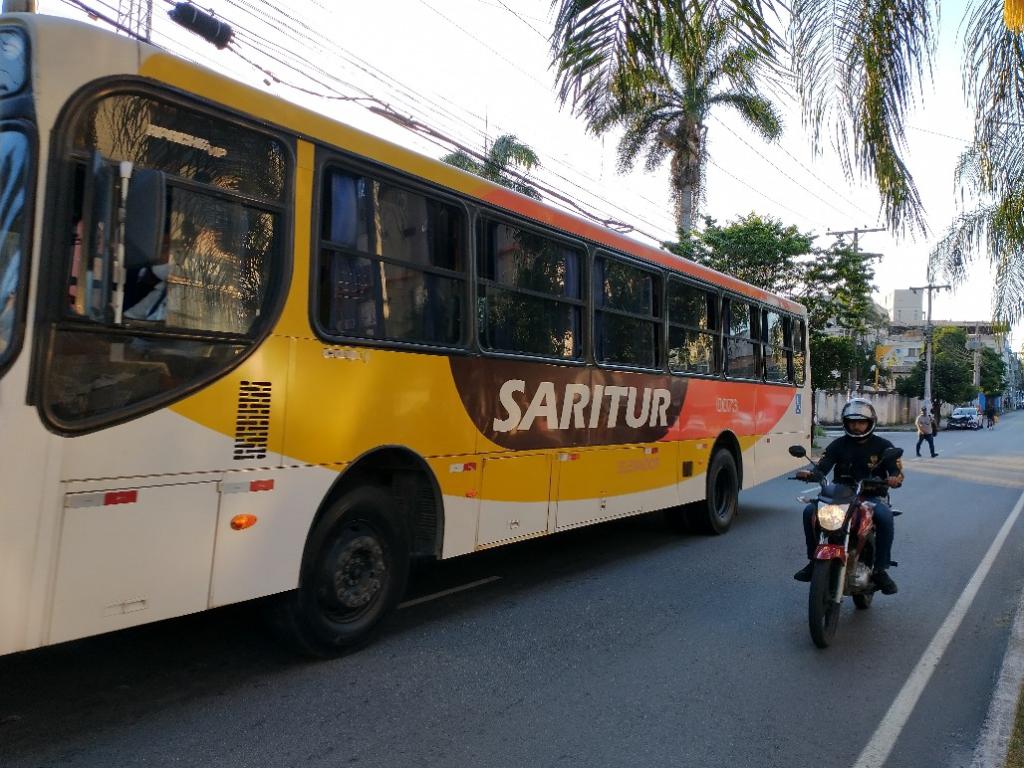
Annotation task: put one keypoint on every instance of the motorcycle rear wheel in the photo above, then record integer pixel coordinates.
(822, 609)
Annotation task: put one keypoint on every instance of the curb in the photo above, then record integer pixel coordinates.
(994, 742)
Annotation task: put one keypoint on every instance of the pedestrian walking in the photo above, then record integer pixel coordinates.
(990, 416)
(926, 431)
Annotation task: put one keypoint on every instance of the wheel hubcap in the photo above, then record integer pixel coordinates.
(359, 572)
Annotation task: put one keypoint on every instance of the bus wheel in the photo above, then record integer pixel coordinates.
(353, 575)
(721, 501)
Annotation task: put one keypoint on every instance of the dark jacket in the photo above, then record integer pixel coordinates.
(854, 460)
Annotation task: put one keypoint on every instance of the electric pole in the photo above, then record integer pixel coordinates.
(928, 339)
(856, 231)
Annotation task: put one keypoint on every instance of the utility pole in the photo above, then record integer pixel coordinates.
(856, 231)
(928, 339)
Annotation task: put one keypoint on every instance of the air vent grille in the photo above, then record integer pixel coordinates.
(252, 423)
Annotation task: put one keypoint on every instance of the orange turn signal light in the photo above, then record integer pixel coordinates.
(241, 522)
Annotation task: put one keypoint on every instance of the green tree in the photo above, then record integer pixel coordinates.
(501, 163)
(833, 360)
(657, 69)
(836, 288)
(758, 249)
(993, 373)
(952, 371)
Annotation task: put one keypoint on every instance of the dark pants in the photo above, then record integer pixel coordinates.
(931, 443)
(884, 531)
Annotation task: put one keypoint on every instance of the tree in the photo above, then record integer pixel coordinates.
(758, 249)
(856, 66)
(993, 373)
(657, 69)
(833, 360)
(952, 371)
(499, 163)
(836, 288)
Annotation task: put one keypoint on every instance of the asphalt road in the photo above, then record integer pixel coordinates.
(617, 645)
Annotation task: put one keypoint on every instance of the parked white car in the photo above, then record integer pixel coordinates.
(964, 418)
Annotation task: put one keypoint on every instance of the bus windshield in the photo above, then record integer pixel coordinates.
(14, 152)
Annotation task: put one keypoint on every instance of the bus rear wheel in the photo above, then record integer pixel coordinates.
(354, 573)
(721, 500)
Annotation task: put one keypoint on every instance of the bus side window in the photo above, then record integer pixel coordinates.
(776, 347)
(741, 358)
(693, 321)
(799, 354)
(627, 325)
(530, 293)
(392, 263)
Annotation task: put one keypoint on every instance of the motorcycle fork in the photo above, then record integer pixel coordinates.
(839, 588)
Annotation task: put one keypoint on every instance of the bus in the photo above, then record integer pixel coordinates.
(247, 351)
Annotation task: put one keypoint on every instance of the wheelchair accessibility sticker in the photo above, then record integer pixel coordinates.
(796, 401)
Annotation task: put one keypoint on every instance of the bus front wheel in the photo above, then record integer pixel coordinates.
(354, 573)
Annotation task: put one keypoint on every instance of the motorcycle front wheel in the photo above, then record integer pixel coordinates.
(822, 609)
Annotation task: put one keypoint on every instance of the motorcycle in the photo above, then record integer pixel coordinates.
(845, 554)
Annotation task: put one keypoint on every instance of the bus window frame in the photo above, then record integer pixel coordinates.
(659, 320)
(485, 214)
(753, 335)
(787, 344)
(716, 333)
(329, 158)
(50, 316)
(27, 128)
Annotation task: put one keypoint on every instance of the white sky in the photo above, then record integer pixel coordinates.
(472, 68)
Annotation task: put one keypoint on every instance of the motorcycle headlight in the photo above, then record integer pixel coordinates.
(831, 516)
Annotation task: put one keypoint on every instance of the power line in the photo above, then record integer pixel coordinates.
(777, 168)
(752, 188)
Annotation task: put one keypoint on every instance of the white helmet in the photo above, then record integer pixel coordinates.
(859, 409)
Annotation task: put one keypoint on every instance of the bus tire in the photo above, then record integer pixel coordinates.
(354, 572)
(721, 500)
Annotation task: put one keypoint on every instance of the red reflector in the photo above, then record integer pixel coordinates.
(241, 522)
(261, 485)
(120, 497)
(469, 466)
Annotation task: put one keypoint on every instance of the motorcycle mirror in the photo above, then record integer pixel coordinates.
(891, 453)
(797, 451)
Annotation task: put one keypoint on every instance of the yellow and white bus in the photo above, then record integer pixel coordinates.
(247, 351)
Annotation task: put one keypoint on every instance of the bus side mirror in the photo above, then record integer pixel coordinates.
(797, 451)
(145, 217)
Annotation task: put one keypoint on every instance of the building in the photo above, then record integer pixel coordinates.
(904, 306)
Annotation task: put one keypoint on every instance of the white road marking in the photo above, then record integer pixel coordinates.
(884, 738)
(446, 592)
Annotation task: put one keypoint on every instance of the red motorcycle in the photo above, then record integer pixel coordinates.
(844, 557)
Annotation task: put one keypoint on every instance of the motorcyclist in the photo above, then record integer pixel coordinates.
(855, 456)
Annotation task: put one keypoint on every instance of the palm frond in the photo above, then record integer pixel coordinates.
(464, 162)
(992, 71)
(592, 38)
(996, 229)
(858, 67)
(757, 112)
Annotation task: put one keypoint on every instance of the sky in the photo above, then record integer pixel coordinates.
(475, 69)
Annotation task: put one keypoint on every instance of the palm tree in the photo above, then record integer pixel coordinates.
(661, 89)
(855, 64)
(499, 163)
